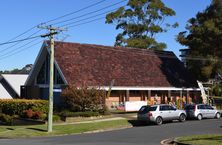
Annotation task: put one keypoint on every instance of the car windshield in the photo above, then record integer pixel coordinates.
(190, 107)
(146, 109)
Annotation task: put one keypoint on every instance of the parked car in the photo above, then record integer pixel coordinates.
(160, 113)
(200, 111)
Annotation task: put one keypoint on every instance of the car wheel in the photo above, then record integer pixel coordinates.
(199, 117)
(217, 115)
(159, 121)
(182, 118)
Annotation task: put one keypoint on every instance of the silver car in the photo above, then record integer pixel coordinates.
(160, 113)
(200, 111)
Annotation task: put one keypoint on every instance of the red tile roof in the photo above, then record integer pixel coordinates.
(97, 65)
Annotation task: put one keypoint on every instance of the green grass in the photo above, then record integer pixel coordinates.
(41, 130)
(209, 139)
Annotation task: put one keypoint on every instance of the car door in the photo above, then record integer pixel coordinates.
(173, 113)
(210, 111)
(202, 110)
(165, 112)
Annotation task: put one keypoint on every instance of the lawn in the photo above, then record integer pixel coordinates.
(208, 139)
(41, 130)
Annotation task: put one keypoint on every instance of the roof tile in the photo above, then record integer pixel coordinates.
(97, 65)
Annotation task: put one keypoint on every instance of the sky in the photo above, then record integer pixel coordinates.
(19, 16)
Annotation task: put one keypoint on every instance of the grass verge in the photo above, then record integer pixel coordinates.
(208, 139)
(41, 130)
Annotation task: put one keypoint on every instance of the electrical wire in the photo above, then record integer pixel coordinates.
(86, 22)
(156, 53)
(8, 48)
(84, 8)
(5, 43)
(13, 50)
(21, 50)
(87, 18)
(32, 28)
(89, 13)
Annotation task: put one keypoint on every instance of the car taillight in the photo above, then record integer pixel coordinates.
(150, 114)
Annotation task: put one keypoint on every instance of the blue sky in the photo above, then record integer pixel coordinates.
(18, 16)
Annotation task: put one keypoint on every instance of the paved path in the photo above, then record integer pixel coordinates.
(140, 135)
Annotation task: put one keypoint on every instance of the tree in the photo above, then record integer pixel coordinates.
(140, 21)
(204, 40)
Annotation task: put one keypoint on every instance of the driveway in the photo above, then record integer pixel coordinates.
(140, 135)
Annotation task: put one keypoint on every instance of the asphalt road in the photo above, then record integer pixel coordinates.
(138, 135)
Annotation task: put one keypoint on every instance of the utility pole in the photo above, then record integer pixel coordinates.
(52, 31)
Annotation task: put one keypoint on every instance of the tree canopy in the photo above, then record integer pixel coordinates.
(25, 70)
(204, 40)
(140, 21)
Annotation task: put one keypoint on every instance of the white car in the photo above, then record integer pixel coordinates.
(200, 111)
(160, 113)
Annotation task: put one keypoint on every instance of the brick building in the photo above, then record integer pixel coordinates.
(136, 74)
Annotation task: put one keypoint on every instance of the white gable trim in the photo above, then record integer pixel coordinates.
(38, 63)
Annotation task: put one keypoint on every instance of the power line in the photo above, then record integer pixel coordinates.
(30, 29)
(89, 13)
(74, 12)
(88, 18)
(17, 52)
(2, 55)
(86, 22)
(7, 48)
(5, 43)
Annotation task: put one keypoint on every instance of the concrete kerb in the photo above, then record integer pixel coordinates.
(171, 141)
(168, 141)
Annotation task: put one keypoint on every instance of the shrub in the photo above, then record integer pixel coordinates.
(28, 113)
(56, 118)
(7, 119)
(17, 106)
(32, 115)
(43, 116)
(83, 99)
(37, 115)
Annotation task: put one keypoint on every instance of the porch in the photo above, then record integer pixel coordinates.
(175, 96)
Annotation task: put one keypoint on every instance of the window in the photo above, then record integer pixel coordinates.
(43, 76)
(153, 108)
(164, 108)
(209, 107)
(146, 109)
(201, 107)
(172, 108)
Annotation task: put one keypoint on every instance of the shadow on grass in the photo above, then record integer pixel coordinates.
(10, 128)
(37, 129)
(136, 123)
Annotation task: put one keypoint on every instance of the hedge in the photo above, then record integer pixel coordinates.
(17, 106)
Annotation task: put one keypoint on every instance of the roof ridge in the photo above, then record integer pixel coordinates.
(121, 48)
